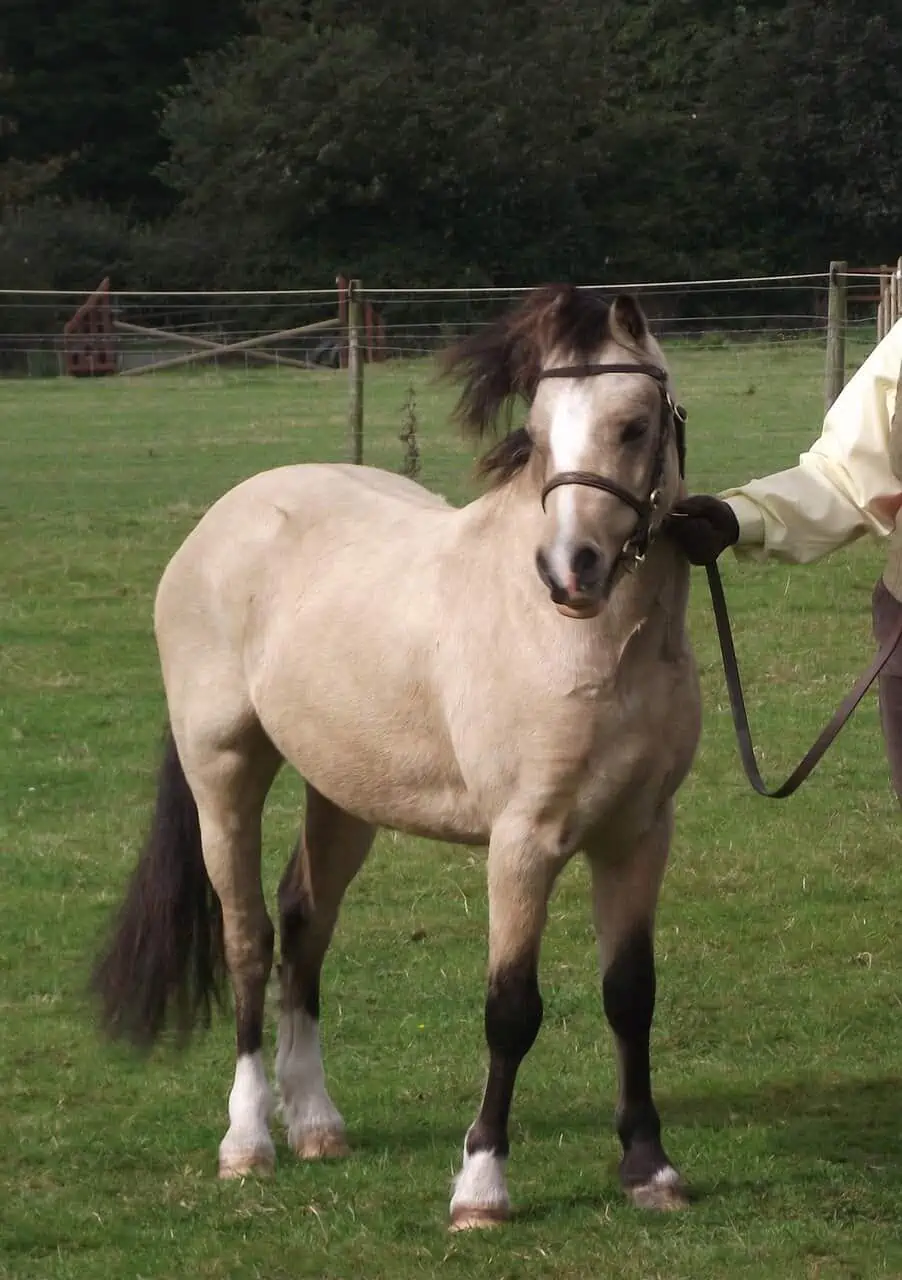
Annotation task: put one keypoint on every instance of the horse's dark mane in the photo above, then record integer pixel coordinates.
(500, 364)
(507, 457)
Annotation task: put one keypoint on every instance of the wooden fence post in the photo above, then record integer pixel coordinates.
(341, 285)
(890, 307)
(835, 373)
(355, 371)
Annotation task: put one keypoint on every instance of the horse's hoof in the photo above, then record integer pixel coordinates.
(246, 1164)
(660, 1195)
(469, 1218)
(321, 1144)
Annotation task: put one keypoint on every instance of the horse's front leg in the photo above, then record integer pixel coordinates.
(625, 886)
(520, 879)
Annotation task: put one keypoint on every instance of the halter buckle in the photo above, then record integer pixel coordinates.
(632, 558)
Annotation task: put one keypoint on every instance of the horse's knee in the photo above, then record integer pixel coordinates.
(513, 1010)
(628, 987)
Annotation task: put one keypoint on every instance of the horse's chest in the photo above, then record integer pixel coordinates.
(612, 755)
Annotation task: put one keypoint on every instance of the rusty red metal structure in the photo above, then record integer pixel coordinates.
(90, 335)
(89, 344)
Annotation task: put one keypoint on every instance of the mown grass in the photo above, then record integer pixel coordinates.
(777, 1051)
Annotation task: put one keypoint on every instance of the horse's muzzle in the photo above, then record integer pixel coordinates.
(582, 594)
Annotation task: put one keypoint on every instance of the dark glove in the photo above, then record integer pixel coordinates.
(702, 527)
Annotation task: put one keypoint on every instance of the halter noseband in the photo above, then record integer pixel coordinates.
(635, 547)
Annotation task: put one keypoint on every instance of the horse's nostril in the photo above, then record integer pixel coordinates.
(586, 566)
(544, 569)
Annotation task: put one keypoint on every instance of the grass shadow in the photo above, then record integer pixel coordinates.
(850, 1121)
(855, 1120)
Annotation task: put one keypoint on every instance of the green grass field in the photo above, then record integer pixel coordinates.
(777, 1047)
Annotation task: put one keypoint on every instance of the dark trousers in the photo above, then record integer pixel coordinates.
(886, 610)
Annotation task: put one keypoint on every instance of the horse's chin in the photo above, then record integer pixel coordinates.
(580, 609)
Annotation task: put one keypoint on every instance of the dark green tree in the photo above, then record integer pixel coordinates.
(459, 137)
(462, 139)
(806, 101)
(86, 88)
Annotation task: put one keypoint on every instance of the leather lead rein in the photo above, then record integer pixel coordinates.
(737, 702)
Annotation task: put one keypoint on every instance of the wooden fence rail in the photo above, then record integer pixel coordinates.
(207, 350)
(90, 345)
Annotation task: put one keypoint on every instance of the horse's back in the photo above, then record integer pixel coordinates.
(333, 486)
(275, 539)
(384, 482)
(285, 505)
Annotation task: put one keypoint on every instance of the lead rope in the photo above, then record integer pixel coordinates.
(737, 702)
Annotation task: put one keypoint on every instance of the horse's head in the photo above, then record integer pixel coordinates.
(603, 437)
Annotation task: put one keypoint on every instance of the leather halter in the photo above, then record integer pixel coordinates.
(636, 546)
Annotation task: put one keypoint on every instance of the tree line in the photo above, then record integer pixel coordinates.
(179, 145)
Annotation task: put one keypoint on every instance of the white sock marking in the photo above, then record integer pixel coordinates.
(250, 1107)
(481, 1183)
(306, 1105)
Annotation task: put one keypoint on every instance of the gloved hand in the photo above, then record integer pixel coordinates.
(702, 527)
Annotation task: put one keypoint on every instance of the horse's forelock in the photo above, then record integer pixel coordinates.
(503, 360)
(501, 363)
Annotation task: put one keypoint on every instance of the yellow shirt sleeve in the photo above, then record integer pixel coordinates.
(843, 487)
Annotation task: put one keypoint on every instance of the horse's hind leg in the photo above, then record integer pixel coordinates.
(230, 782)
(625, 893)
(330, 853)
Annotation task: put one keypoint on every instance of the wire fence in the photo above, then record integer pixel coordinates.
(248, 329)
(203, 373)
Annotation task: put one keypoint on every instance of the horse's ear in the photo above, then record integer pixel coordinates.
(627, 314)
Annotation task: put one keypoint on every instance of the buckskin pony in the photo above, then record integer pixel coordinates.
(513, 674)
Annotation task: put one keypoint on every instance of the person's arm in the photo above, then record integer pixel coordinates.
(845, 485)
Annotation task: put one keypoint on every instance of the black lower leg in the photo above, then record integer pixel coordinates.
(250, 997)
(628, 987)
(300, 975)
(513, 1016)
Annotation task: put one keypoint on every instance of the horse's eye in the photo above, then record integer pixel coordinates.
(634, 430)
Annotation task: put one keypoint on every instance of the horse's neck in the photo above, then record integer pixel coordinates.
(655, 595)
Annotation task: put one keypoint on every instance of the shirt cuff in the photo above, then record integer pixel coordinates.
(751, 521)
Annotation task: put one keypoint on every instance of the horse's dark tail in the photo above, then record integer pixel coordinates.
(165, 958)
